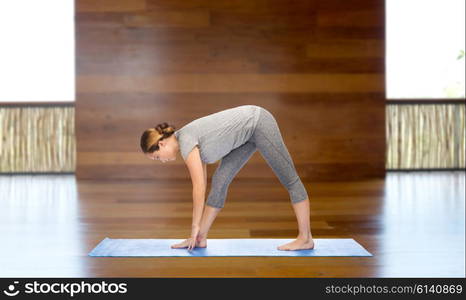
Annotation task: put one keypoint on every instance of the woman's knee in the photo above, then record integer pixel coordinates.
(297, 191)
(217, 204)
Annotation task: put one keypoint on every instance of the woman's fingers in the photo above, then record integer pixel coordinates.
(191, 244)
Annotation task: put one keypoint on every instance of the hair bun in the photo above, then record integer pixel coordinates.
(164, 128)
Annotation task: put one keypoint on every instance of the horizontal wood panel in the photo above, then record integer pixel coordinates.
(259, 21)
(350, 18)
(346, 48)
(184, 65)
(258, 7)
(233, 83)
(328, 65)
(175, 18)
(349, 6)
(110, 5)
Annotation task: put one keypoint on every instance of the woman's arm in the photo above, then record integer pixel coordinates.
(198, 172)
(204, 166)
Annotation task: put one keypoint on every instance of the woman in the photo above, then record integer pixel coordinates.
(232, 136)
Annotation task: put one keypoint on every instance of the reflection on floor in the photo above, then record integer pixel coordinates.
(412, 222)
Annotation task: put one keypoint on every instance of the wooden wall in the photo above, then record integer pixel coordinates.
(317, 65)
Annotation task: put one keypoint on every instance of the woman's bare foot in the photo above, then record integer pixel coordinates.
(201, 240)
(201, 243)
(298, 244)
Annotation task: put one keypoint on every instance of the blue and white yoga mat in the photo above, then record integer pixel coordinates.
(225, 247)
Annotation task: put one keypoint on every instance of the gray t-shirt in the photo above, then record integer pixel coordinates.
(218, 133)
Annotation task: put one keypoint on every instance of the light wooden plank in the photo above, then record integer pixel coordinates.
(110, 5)
(170, 18)
(233, 83)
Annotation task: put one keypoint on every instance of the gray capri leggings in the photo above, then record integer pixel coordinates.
(268, 140)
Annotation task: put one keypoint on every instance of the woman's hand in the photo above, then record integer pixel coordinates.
(194, 233)
(189, 243)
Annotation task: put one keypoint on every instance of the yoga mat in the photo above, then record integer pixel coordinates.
(225, 247)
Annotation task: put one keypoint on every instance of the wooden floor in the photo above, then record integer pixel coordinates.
(412, 222)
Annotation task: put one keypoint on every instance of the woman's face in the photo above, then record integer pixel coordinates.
(167, 150)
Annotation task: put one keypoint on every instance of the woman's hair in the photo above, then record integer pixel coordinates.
(151, 136)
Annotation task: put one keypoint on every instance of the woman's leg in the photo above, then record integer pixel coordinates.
(208, 217)
(229, 166)
(270, 144)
